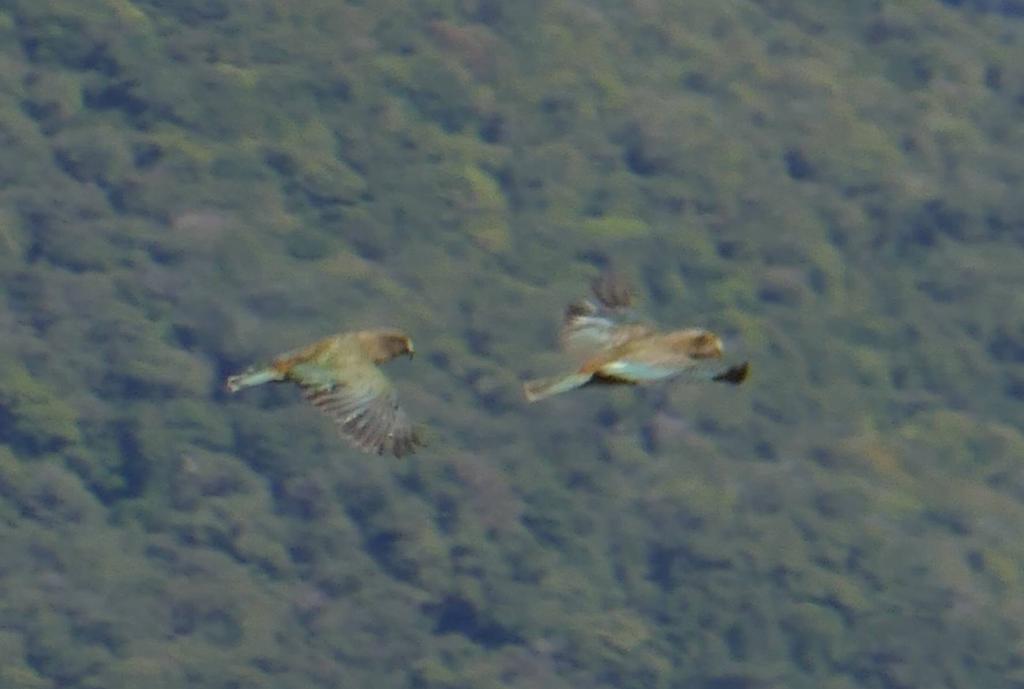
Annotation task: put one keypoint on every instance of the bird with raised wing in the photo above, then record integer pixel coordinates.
(612, 346)
(340, 375)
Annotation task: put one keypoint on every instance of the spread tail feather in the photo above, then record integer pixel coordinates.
(546, 387)
(251, 377)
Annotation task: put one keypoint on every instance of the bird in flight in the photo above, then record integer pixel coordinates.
(612, 346)
(340, 375)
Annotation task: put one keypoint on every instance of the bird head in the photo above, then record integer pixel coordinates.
(385, 345)
(700, 344)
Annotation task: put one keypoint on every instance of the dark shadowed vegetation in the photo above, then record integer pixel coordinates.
(187, 186)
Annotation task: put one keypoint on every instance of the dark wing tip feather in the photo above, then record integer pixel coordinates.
(407, 442)
(579, 308)
(613, 290)
(734, 374)
(377, 425)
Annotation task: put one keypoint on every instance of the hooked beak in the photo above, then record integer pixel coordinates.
(718, 347)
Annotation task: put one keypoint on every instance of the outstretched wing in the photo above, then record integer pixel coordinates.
(613, 290)
(639, 371)
(590, 327)
(586, 330)
(363, 403)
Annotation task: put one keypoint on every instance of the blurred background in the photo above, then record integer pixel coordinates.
(191, 186)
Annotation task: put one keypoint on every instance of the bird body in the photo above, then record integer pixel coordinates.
(613, 350)
(340, 375)
(653, 356)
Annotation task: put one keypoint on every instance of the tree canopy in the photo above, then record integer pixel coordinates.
(189, 186)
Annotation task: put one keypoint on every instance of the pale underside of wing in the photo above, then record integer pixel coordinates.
(584, 331)
(646, 372)
(366, 411)
(588, 329)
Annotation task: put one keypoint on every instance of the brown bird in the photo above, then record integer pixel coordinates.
(340, 375)
(612, 347)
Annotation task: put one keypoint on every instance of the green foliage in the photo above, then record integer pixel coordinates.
(190, 187)
(33, 415)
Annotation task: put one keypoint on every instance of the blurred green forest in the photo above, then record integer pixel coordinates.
(189, 186)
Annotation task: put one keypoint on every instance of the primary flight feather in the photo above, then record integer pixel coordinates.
(340, 375)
